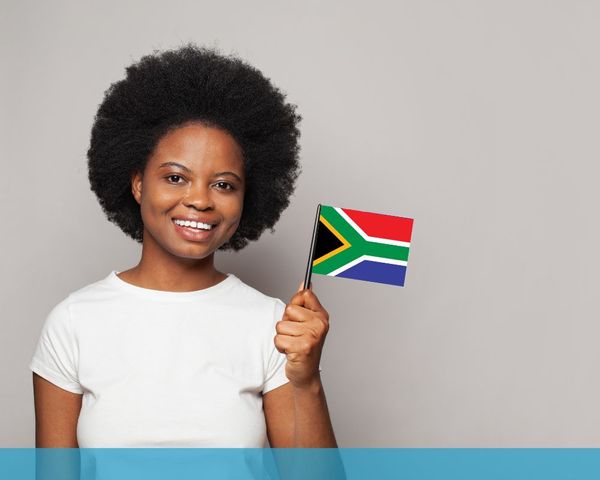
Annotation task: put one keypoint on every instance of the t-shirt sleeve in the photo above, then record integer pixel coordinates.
(56, 353)
(275, 376)
(276, 360)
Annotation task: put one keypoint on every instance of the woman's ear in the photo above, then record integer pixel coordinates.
(136, 186)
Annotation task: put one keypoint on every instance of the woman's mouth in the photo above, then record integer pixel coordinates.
(193, 232)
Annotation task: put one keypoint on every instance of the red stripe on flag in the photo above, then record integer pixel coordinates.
(382, 226)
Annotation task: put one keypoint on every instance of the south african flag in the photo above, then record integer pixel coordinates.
(362, 245)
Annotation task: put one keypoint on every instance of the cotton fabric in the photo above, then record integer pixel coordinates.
(165, 369)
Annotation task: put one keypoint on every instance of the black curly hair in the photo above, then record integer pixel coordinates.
(165, 90)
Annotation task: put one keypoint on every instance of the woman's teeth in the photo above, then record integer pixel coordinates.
(188, 223)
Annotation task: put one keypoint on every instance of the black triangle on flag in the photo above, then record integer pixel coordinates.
(326, 241)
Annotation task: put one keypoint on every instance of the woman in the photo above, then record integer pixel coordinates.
(191, 153)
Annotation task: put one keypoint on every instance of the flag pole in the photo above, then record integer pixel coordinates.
(307, 275)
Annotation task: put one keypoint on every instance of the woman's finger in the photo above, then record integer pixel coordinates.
(287, 327)
(297, 313)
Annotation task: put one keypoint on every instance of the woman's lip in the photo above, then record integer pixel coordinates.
(193, 234)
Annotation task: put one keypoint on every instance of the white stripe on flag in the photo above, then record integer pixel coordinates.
(366, 257)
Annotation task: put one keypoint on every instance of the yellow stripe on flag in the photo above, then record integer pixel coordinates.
(345, 242)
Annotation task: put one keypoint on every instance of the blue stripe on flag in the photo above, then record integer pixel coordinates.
(376, 272)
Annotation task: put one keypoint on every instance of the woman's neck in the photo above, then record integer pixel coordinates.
(160, 270)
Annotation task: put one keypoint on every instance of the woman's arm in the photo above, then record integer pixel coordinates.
(56, 415)
(313, 425)
(296, 412)
(298, 417)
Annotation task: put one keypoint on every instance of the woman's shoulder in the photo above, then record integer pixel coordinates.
(89, 295)
(252, 295)
(92, 289)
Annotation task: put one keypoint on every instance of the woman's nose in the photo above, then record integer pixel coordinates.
(198, 196)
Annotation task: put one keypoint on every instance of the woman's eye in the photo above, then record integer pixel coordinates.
(228, 185)
(174, 176)
(175, 180)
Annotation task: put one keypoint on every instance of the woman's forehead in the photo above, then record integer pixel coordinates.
(196, 147)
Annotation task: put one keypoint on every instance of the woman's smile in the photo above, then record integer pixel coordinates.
(193, 231)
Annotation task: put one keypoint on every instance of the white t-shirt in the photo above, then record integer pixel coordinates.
(165, 369)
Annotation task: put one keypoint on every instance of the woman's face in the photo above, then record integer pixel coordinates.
(195, 173)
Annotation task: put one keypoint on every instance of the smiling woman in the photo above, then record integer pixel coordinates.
(191, 153)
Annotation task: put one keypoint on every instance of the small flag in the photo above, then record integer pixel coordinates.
(360, 245)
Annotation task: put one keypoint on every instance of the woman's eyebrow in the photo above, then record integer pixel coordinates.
(175, 164)
(228, 173)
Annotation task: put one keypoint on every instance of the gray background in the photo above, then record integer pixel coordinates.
(478, 119)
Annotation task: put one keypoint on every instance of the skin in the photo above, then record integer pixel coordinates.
(296, 413)
(56, 415)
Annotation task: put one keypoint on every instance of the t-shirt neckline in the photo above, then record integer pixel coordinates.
(124, 286)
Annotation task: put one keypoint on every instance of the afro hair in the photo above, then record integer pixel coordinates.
(165, 90)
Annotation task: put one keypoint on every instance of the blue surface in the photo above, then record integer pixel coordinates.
(330, 464)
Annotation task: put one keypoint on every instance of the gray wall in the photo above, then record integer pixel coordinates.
(478, 119)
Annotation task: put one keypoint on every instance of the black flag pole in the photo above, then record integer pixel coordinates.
(307, 275)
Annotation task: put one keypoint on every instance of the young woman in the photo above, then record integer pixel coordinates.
(191, 153)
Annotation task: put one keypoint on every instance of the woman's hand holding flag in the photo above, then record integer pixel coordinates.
(300, 335)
